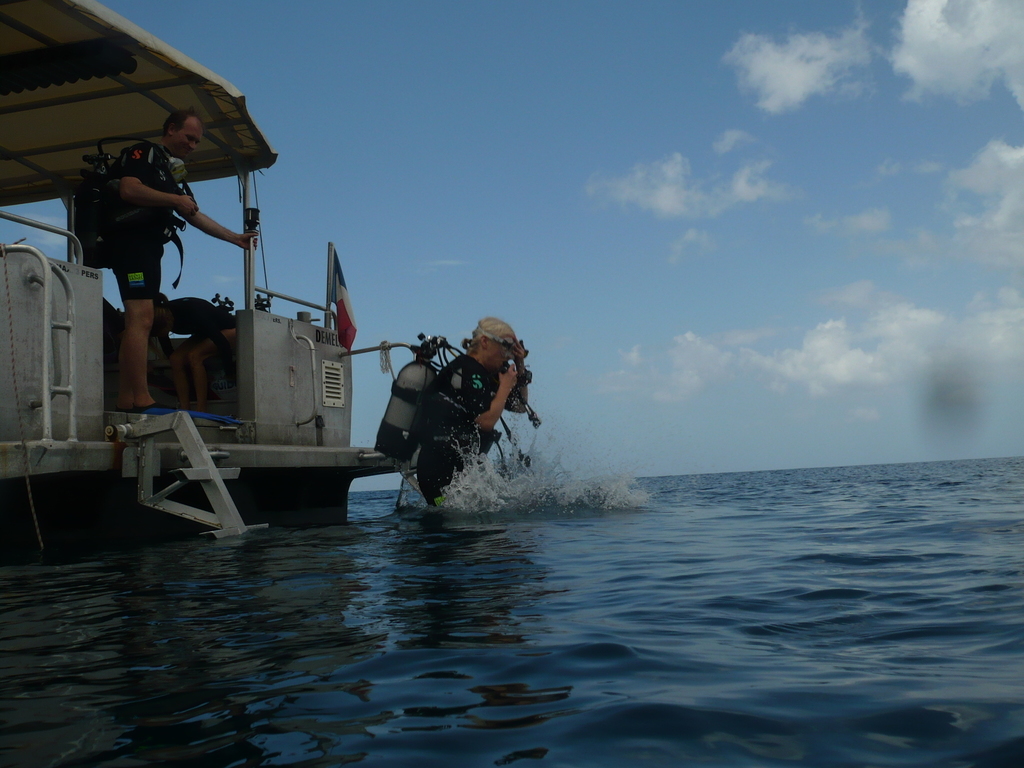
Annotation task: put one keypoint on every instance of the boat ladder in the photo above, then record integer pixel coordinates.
(225, 519)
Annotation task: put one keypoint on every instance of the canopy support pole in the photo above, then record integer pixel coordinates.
(250, 252)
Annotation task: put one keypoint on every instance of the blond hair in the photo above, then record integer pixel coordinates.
(163, 320)
(488, 325)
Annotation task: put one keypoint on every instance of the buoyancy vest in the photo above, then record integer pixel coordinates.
(100, 212)
(449, 410)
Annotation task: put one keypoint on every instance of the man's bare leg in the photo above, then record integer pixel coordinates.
(133, 384)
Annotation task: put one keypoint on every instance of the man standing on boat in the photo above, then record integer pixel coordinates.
(152, 191)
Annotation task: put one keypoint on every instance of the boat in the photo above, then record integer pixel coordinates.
(73, 469)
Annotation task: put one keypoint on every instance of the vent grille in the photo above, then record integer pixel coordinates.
(333, 379)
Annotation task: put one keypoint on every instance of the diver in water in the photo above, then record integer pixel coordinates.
(461, 407)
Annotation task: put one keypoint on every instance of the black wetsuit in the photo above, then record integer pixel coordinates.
(199, 319)
(446, 423)
(133, 237)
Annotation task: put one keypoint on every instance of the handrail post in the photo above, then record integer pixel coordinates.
(328, 315)
(250, 252)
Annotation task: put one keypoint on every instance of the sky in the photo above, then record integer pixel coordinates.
(734, 236)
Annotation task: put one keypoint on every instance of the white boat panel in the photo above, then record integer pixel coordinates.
(22, 331)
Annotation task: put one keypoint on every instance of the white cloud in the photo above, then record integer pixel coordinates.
(863, 414)
(905, 333)
(749, 185)
(993, 231)
(691, 240)
(960, 48)
(688, 366)
(893, 344)
(743, 337)
(897, 343)
(632, 357)
(916, 248)
(997, 333)
(888, 167)
(819, 223)
(784, 75)
(667, 188)
(695, 363)
(871, 221)
(731, 139)
(664, 187)
(827, 359)
(859, 295)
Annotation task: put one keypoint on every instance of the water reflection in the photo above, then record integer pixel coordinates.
(511, 695)
(459, 586)
(272, 648)
(584, 638)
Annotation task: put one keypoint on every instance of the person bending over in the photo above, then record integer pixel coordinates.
(150, 177)
(461, 407)
(210, 330)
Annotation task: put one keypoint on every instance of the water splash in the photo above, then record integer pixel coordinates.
(543, 486)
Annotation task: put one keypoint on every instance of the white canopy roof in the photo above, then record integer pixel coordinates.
(73, 72)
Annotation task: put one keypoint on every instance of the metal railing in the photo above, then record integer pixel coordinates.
(286, 297)
(50, 388)
(76, 244)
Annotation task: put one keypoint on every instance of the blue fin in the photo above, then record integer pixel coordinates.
(158, 411)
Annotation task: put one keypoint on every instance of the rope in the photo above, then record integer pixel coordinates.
(17, 400)
(385, 359)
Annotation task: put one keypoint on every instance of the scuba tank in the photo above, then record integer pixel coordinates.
(394, 438)
(91, 197)
(99, 209)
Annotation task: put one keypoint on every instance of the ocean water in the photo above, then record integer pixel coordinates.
(860, 616)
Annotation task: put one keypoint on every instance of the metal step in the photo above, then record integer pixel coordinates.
(225, 519)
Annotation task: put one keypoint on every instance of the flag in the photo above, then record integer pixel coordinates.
(338, 296)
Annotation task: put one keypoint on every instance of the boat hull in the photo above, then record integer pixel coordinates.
(86, 509)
